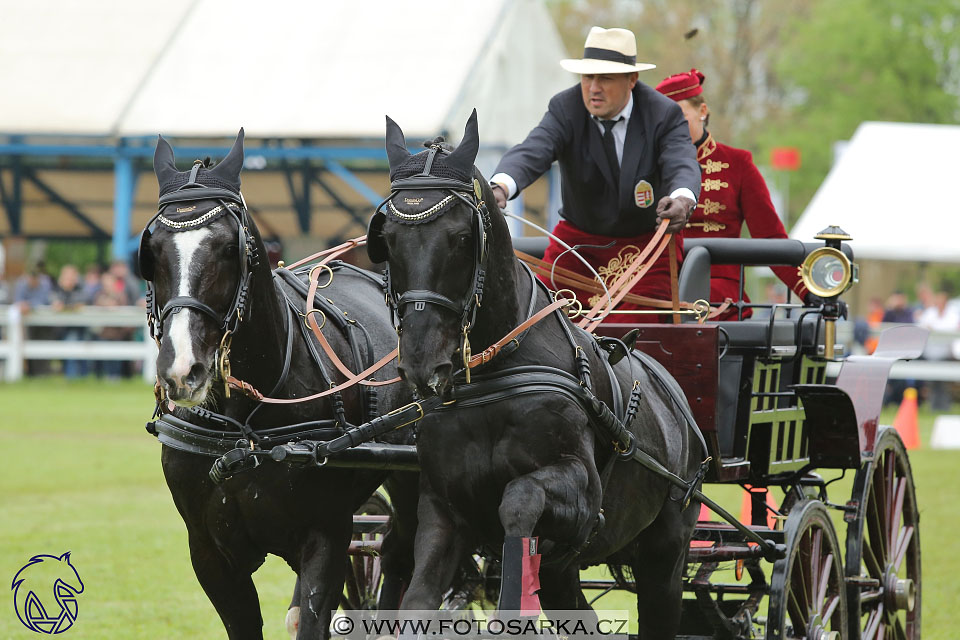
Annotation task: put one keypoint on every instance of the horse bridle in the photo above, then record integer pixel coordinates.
(228, 203)
(469, 194)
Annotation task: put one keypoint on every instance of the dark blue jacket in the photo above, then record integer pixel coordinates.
(657, 149)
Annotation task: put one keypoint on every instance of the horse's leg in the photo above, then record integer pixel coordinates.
(658, 568)
(566, 496)
(397, 562)
(292, 621)
(438, 549)
(231, 590)
(560, 587)
(322, 566)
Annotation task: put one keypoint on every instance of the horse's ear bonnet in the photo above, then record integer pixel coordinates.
(222, 180)
(419, 181)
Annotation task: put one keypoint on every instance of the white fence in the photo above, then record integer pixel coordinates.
(15, 348)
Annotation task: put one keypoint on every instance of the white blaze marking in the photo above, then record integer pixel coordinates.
(187, 243)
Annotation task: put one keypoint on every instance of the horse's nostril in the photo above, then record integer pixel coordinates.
(196, 375)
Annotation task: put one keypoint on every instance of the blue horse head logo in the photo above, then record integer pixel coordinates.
(45, 593)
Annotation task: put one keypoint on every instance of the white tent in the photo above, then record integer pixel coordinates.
(892, 191)
(286, 68)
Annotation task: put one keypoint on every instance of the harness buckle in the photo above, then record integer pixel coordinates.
(223, 361)
(467, 353)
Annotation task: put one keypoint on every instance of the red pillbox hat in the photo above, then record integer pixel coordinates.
(682, 85)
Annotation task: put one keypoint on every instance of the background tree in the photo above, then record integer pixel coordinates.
(794, 73)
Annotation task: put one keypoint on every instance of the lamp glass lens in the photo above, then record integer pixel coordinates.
(829, 273)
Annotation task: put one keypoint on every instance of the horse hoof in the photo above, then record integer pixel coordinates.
(293, 622)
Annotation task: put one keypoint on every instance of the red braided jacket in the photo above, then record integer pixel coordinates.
(733, 192)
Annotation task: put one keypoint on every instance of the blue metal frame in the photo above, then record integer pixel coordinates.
(126, 152)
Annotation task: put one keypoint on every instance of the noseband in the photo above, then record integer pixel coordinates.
(228, 203)
(470, 195)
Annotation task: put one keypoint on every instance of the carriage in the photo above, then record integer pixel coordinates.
(772, 415)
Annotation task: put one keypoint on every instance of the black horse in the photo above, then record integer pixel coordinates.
(515, 455)
(215, 305)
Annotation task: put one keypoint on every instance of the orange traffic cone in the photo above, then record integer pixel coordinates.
(746, 508)
(906, 421)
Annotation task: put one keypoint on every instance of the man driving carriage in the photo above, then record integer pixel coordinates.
(626, 163)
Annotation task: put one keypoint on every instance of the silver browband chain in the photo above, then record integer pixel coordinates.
(197, 222)
(426, 213)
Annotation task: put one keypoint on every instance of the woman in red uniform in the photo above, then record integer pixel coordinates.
(732, 192)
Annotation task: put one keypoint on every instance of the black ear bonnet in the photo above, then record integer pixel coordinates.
(425, 185)
(192, 200)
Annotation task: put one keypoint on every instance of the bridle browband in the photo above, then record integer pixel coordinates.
(469, 194)
(229, 202)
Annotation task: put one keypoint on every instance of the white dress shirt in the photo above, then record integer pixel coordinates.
(619, 136)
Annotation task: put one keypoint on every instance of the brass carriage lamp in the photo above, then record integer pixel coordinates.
(827, 273)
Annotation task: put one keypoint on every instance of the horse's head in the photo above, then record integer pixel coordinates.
(432, 233)
(197, 256)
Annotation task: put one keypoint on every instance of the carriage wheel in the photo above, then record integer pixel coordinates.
(883, 546)
(361, 588)
(807, 596)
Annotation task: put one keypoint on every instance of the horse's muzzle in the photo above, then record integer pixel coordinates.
(427, 381)
(190, 389)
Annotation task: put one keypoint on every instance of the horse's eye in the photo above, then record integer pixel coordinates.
(463, 241)
(229, 251)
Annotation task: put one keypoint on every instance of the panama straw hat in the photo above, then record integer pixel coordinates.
(608, 51)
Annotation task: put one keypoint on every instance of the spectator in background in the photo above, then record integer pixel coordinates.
(126, 281)
(943, 317)
(69, 295)
(91, 282)
(897, 311)
(34, 289)
(112, 294)
(865, 326)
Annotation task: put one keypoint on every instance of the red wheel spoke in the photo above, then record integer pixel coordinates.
(893, 524)
(824, 581)
(898, 631)
(871, 562)
(830, 609)
(905, 539)
(796, 611)
(872, 629)
(816, 544)
(890, 479)
(876, 526)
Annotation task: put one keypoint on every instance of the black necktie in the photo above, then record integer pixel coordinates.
(610, 147)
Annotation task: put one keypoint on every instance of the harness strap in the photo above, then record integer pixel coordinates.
(674, 282)
(174, 305)
(250, 391)
(629, 278)
(329, 254)
(423, 297)
(490, 352)
(311, 319)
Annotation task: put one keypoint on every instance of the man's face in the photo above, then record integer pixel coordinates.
(606, 95)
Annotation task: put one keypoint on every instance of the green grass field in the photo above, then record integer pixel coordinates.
(80, 474)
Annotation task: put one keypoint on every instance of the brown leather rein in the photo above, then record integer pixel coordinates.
(619, 290)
